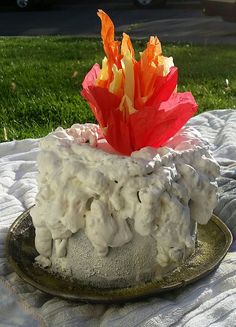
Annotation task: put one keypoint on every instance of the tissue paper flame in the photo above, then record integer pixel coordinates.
(135, 102)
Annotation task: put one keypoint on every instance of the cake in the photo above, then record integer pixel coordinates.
(110, 220)
(119, 203)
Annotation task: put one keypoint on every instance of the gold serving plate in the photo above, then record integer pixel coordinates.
(214, 240)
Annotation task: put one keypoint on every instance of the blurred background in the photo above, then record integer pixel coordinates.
(207, 21)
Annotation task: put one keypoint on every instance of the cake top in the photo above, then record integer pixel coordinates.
(135, 101)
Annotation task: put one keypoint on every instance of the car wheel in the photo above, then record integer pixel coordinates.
(149, 3)
(23, 4)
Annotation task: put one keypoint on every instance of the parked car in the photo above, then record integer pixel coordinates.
(27, 4)
(149, 3)
(224, 8)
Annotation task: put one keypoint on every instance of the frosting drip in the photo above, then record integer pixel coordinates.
(85, 184)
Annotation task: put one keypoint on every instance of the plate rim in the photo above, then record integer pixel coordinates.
(110, 298)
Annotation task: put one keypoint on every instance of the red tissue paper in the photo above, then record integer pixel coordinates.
(135, 102)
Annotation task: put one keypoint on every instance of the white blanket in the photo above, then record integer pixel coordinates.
(208, 302)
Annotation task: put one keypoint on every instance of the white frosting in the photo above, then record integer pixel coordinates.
(89, 186)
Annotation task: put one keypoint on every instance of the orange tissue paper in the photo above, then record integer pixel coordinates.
(135, 102)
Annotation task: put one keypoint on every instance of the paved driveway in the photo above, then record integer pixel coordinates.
(178, 22)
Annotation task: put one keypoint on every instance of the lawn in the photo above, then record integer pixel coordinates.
(40, 80)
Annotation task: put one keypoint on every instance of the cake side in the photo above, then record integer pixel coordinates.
(86, 187)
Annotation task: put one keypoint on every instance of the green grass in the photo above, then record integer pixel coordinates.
(39, 90)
